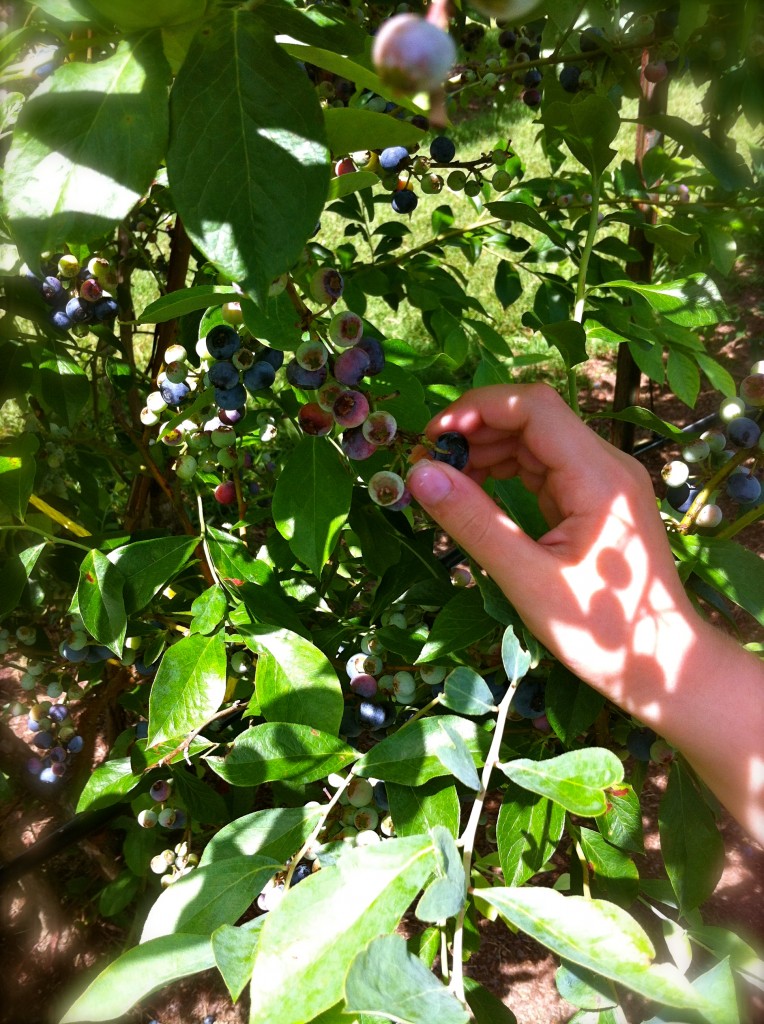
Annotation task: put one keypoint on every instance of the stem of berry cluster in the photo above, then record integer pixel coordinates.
(467, 840)
(583, 267)
(747, 519)
(688, 520)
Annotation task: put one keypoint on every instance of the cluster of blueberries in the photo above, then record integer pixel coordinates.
(163, 813)
(739, 433)
(78, 295)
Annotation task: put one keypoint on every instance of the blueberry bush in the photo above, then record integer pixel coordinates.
(213, 212)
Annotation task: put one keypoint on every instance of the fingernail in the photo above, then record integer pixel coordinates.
(428, 483)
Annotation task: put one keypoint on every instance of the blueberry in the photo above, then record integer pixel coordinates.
(301, 872)
(143, 669)
(507, 39)
(58, 712)
(411, 54)
(49, 775)
(222, 341)
(743, 488)
(569, 76)
(52, 290)
(314, 420)
(141, 730)
(373, 349)
(443, 149)
(591, 39)
(174, 394)
(231, 398)
(259, 376)
(528, 701)
(105, 309)
(532, 78)
(638, 743)
(453, 448)
(96, 653)
(72, 654)
(75, 744)
(160, 790)
(306, 380)
(386, 488)
(532, 98)
(404, 201)
(680, 498)
(372, 715)
(350, 409)
(394, 158)
(351, 366)
(743, 432)
(355, 445)
(223, 374)
(60, 320)
(380, 796)
(78, 311)
(43, 740)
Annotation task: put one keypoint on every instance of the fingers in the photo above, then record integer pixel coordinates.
(476, 523)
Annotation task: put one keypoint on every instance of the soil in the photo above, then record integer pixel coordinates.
(50, 934)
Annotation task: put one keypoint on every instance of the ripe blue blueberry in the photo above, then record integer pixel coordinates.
(174, 394)
(528, 701)
(569, 76)
(231, 398)
(274, 356)
(350, 366)
(223, 374)
(259, 376)
(52, 290)
(442, 149)
(373, 349)
(301, 872)
(680, 498)
(58, 712)
(743, 431)
(453, 448)
(105, 309)
(394, 158)
(222, 341)
(306, 380)
(743, 488)
(372, 715)
(356, 446)
(60, 320)
(638, 743)
(404, 201)
(532, 78)
(75, 744)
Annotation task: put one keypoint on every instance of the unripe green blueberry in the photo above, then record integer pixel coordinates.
(675, 473)
(696, 452)
(232, 314)
(360, 792)
(715, 439)
(456, 181)
(752, 390)
(149, 418)
(501, 181)
(709, 517)
(241, 663)
(147, 819)
(730, 408)
(472, 188)
(68, 266)
(175, 354)
(186, 467)
(155, 402)
(223, 436)
(431, 184)
(412, 55)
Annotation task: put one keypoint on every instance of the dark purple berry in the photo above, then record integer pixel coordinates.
(528, 701)
(532, 78)
(375, 352)
(43, 740)
(351, 365)
(350, 408)
(443, 149)
(52, 290)
(569, 77)
(301, 872)
(174, 394)
(78, 311)
(356, 446)
(223, 374)
(222, 341)
(364, 685)
(160, 790)
(230, 417)
(681, 497)
(306, 380)
(105, 309)
(507, 39)
(453, 448)
(231, 398)
(404, 201)
(259, 376)
(743, 432)
(532, 98)
(372, 715)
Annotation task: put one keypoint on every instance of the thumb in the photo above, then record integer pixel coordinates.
(477, 524)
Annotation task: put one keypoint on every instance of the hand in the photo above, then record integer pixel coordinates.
(600, 589)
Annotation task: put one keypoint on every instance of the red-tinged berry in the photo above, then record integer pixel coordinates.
(225, 493)
(314, 420)
(350, 408)
(386, 488)
(91, 290)
(373, 349)
(344, 166)
(656, 71)
(412, 55)
(306, 380)
(326, 285)
(351, 366)
(364, 685)
(328, 394)
(752, 390)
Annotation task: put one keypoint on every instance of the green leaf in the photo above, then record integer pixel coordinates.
(453, 754)
(187, 300)
(516, 661)
(209, 609)
(694, 301)
(445, 895)
(677, 244)
(232, 559)
(278, 750)
(147, 566)
(587, 125)
(107, 784)
(349, 129)
(64, 384)
(417, 809)
(218, 893)
(385, 979)
(584, 989)
(142, 14)
(728, 567)
(727, 166)
(485, 1006)
(576, 779)
(87, 146)
(139, 972)
(17, 470)
(100, 601)
(521, 505)
(461, 623)
(346, 184)
(277, 832)
(237, 196)
(569, 338)
(692, 848)
(312, 500)
(188, 689)
(202, 802)
(507, 284)
(649, 421)
(304, 953)
(411, 755)
(234, 951)
(683, 376)
(612, 873)
(594, 934)
(467, 692)
(570, 704)
(528, 829)
(517, 212)
(621, 824)
(276, 322)
(304, 688)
